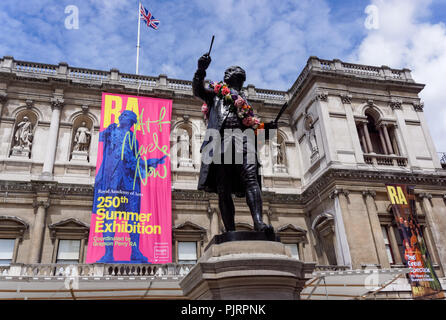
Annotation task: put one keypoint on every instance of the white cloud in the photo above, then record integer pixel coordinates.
(405, 39)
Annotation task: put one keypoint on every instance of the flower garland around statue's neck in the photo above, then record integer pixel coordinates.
(236, 104)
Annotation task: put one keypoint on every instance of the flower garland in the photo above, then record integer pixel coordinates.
(236, 104)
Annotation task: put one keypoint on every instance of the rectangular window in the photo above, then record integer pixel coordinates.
(187, 252)
(6, 251)
(68, 251)
(294, 249)
(387, 243)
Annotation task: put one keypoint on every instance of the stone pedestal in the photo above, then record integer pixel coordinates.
(79, 155)
(185, 162)
(279, 168)
(247, 270)
(18, 151)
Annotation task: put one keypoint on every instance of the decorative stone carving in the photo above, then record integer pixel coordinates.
(57, 102)
(346, 98)
(369, 193)
(321, 96)
(23, 138)
(41, 202)
(395, 104)
(29, 103)
(3, 97)
(85, 109)
(425, 195)
(418, 106)
(336, 192)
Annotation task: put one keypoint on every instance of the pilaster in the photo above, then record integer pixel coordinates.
(378, 239)
(41, 204)
(434, 227)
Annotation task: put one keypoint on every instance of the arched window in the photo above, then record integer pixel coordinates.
(374, 133)
(324, 229)
(377, 136)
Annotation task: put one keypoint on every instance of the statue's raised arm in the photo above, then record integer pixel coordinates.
(198, 82)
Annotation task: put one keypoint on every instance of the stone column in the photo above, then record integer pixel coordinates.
(434, 227)
(41, 203)
(342, 219)
(375, 225)
(57, 104)
(381, 137)
(364, 143)
(389, 143)
(367, 137)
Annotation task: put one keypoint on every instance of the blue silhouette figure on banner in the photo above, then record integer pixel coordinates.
(116, 175)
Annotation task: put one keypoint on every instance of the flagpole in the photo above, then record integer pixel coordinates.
(137, 44)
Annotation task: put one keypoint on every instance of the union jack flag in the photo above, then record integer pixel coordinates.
(148, 18)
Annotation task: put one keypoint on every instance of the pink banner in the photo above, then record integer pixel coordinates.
(131, 220)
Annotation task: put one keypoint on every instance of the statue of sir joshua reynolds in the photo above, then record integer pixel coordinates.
(224, 178)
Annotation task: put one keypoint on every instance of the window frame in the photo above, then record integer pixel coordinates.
(188, 232)
(12, 227)
(196, 252)
(13, 251)
(293, 235)
(69, 229)
(58, 248)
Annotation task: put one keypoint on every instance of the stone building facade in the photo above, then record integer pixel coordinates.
(348, 130)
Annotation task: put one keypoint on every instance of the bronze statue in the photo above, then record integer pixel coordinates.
(223, 114)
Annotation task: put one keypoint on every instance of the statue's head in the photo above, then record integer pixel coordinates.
(83, 124)
(127, 119)
(25, 118)
(235, 76)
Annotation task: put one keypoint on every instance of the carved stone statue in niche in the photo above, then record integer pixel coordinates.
(184, 149)
(82, 138)
(311, 136)
(81, 143)
(184, 145)
(278, 154)
(23, 138)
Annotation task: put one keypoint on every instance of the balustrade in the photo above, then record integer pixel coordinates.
(95, 270)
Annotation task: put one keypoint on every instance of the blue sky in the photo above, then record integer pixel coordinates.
(272, 40)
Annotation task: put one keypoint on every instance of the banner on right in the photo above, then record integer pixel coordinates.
(422, 277)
